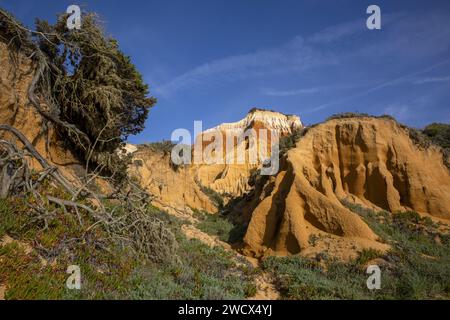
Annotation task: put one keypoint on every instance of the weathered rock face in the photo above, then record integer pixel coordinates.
(269, 120)
(369, 161)
(17, 111)
(174, 188)
(232, 178)
(182, 188)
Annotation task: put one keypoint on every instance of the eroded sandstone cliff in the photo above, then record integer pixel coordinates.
(16, 74)
(183, 188)
(172, 188)
(232, 178)
(370, 161)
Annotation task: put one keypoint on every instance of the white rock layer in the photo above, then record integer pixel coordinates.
(271, 120)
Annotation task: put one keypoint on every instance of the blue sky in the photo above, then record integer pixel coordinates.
(213, 60)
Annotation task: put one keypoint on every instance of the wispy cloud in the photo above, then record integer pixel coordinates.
(293, 56)
(296, 55)
(319, 51)
(308, 90)
(432, 80)
(348, 29)
(337, 32)
(287, 93)
(382, 85)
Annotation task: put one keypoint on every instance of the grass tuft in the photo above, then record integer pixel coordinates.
(417, 267)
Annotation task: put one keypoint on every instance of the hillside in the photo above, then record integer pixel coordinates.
(352, 191)
(232, 178)
(66, 198)
(201, 185)
(367, 161)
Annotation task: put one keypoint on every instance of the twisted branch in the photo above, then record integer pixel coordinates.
(126, 221)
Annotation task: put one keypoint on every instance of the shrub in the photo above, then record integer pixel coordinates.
(195, 271)
(439, 134)
(164, 146)
(93, 93)
(289, 142)
(304, 279)
(213, 195)
(367, 255)
(417, 267)
(203, 273)
(220, 226)
(345, 115)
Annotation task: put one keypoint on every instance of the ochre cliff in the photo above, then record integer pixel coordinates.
(369, 161)
(172, 188)
(183, 188)
(16, 74)
(232, 178)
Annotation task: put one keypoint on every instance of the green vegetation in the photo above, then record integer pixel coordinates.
(439, 134)
(41, 273)
(203, 273)
(304, 279)
(95, 98)
(417, 266)
(345, 115)
(367, 255)
(289, 142)
(213, 195)
(26, 277)
(164, 146)
(221, 226)
(214, 224)
(195, 272)
(85, 88)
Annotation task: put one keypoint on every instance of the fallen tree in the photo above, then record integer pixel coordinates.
(124, 219)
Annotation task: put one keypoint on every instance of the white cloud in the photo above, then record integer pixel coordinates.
(432, 80)
(293, 56)
(348, 29)
(399, 31)
(309, 90)
(337, 32)
(380, 86)
(295, 92)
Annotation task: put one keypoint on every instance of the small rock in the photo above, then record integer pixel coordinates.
(2, 292)
(438, 240)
